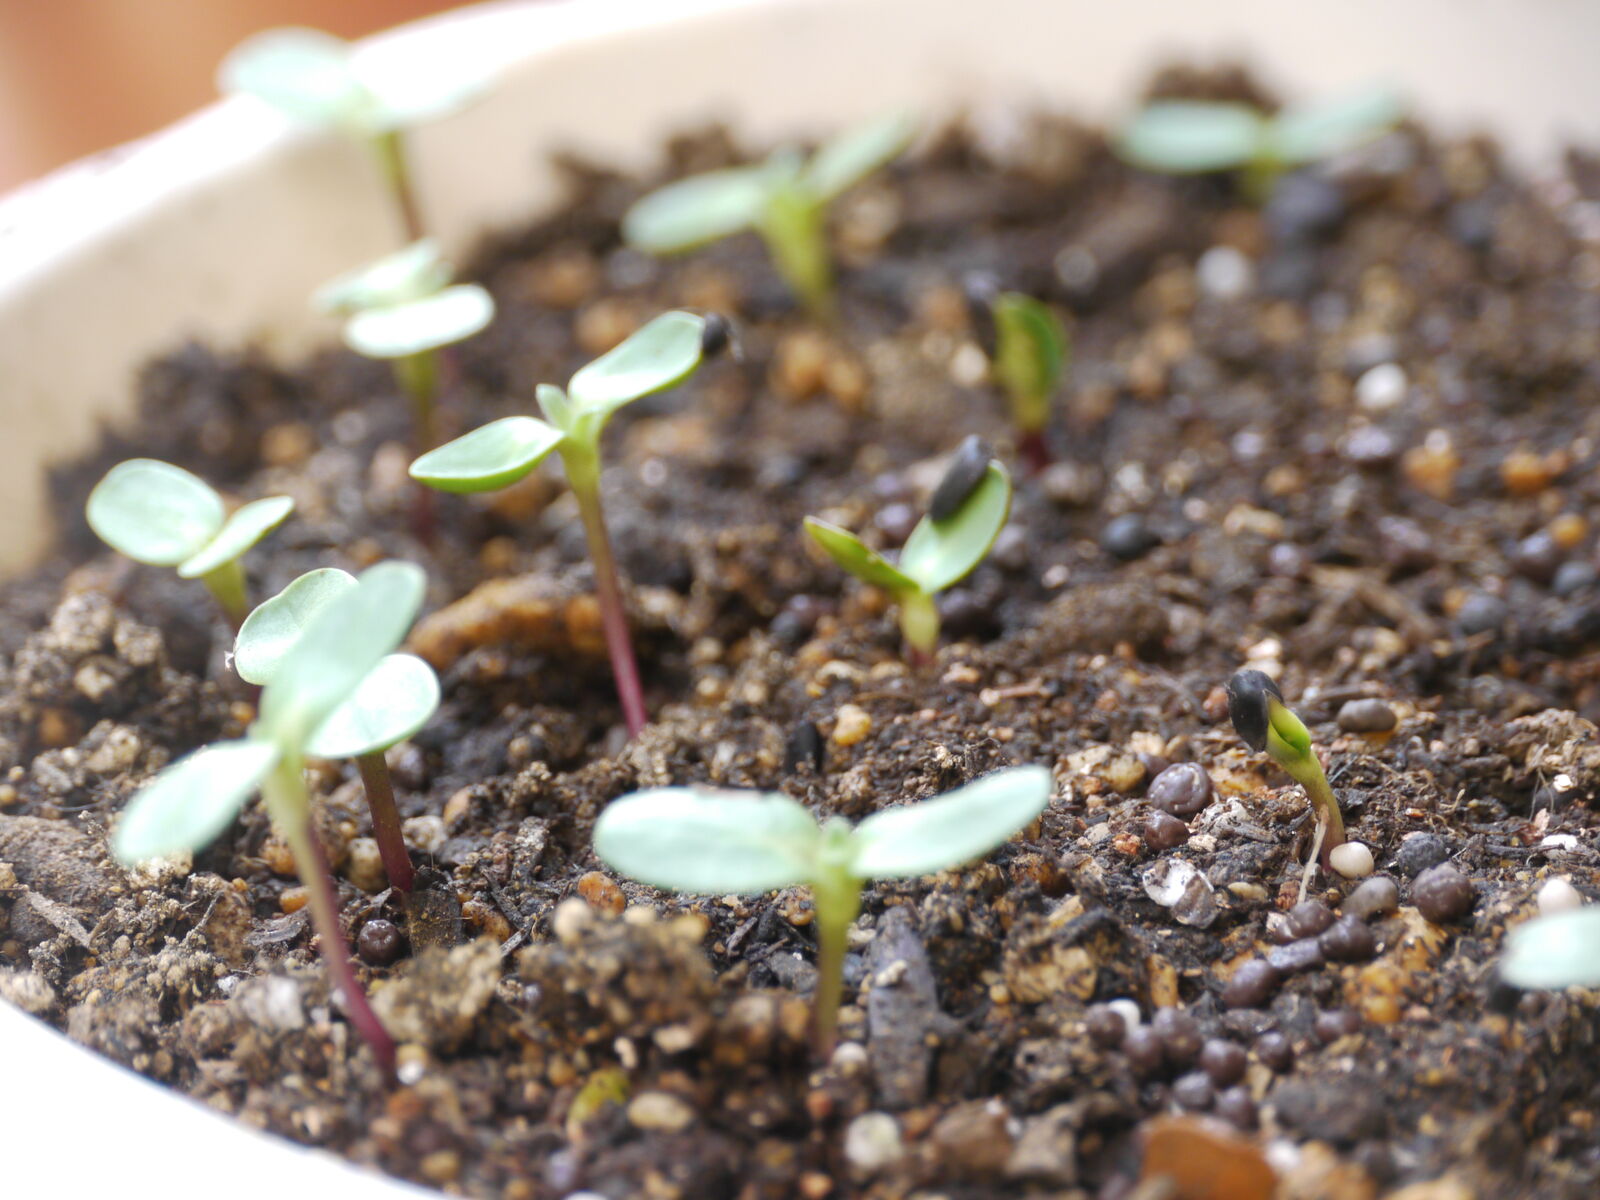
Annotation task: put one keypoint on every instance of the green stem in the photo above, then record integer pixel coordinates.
(919, 625)
(418, 377)
(391, 151)
(227, 585)
(1258, 177)
(375, 779)
(837, 901)
(794, 227)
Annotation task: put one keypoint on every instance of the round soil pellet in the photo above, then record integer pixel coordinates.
(1145, 1050)
(1223, 1061)
(1334, 1024)
(1179, 1033)
(1128, 537)
(1183, 789)
(1309, 918)
(1275, 1051)
(1375, 897)
(1442, 894)
(1419, 852)
(1348, 940)
(1163, 831)
(1366, 716)
(1193, 1091)
(1236, 1108)
(1301, 955)
(1251, 985)
(1105, 1026)
(380, 943)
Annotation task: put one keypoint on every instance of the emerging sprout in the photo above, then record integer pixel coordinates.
(1189, 137)
(1557, 950)
(1266, 723)
(712, 842)
(784, 199)
(162, 515)
(661, 355)
(942, 550)
(403, 308)
(192, 801)
(1028, 352)
(314, 77)
(394, 701)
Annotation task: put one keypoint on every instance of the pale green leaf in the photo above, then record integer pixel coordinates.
(920, 839)
(855, 556)
(275, 626)
(416, 271)
(302, 72)
(489, 457)
(1556, 951)
(665, 352)
(1308, 132)
(1192, 136)
(187, 805)
(708, 841)
(555, 406)
(697, 210)
(409, 93)
(247, 526)
(154, 512)
(856, 153)
(1030, 354)
(939, 553)
(441, 319)
(394, 701)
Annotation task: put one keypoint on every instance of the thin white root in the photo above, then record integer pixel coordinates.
(1311, 863)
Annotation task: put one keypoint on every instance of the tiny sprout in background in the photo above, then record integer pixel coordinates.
(661, 355)
(961, 525)
(1191, 137)
(1557, 950)
(1028, 352)
(710, 841)
(1266, 723)
(403, 308)
(394, 701)
(159, 514)
(189, 803)
(784, 199)
(316, 78)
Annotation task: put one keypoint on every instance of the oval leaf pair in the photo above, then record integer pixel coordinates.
(662, 354)
(302, 72)
(417, 326)
(851, 156)
(1184, 137)
(409, 274)
(162, 515)
(490, 457)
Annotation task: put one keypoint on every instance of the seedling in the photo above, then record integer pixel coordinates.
(159, 514)
(784, 199)
(404, 309)
(1266, 723)
(1193, 137)
(394, 701)
(315, 78)
(942, 550)
(191, 802)
(1555, 951)
(661, 355)
(710, 841)
(1028, 354)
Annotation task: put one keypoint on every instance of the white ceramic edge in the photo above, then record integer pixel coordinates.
(115, 259)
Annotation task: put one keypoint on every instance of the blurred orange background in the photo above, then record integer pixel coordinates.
(78, 76)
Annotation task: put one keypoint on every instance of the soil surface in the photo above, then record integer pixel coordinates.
(1350, 438)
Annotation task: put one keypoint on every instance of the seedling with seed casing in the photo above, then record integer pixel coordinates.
(661, 355)
(316, 78)
(191, 802)
(395, 700)
(941, 551)
(1266, 723)
(785, 199)
(1028, 353)
(162, 515)
(710, 841)
(1195, 137)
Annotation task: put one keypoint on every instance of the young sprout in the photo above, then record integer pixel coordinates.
(784, 199)
(711, 841)
(1190, 137)
(160, 514)
(403, 308)
(1028, 352)
(661, 355)
(1557, 950)
(314, 78)
(394, 701)
(943, 549)
(191, 802)
(1265, 722)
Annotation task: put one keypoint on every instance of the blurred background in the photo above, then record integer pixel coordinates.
(77, 76)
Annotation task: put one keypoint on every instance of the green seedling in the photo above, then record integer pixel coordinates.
(1194, 137)
(315, 78)
(942, 550)
(404, 309)
(1266, 723)
(661, 355)
(191, 802)
(160, 514)
(394, 701)
(709, 841)
(1558, 950)
(1027, 346)
(784, 199)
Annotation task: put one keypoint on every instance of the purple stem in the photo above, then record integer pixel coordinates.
(386, 831)
(585, 482)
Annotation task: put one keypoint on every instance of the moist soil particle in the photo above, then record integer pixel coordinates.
(1227, 492)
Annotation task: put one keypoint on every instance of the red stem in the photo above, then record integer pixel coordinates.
(1033, 450)
(386, 820)
(608, 591)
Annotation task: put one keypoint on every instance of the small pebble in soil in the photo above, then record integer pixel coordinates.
(1419, 852)
(602, 893)
(1369, 446)
(1275, 1052)
(1348, 940)
(380, 943)
(1558, 895)
(804, 749)
(1366, 716)
(1537, 557)
(851, 724)
(1179, 1033)
(1335, 1023)
(1223, 1061)
(1013, 549)
(1128, 537)
(1442, 894)
(1297, 956)
(1481, 613)
(1070, 485)
(1144, 1049)
(1128, 1010)
(896, 521)
(872, 1142)
(1381, 388)
(966, 471)
(1309, 918)
(1223, 273)
(1572, 578)
(1193, 1091)
(1251, 985)
(1182, 790)
(1353, 860)
(1105, 1026)
(796, 619)
(1236, 1108)
(1163, 831)
(1376, 897)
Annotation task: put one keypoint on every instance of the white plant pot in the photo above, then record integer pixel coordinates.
(221, 226)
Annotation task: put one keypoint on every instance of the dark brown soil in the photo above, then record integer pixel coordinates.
(1229, 490)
